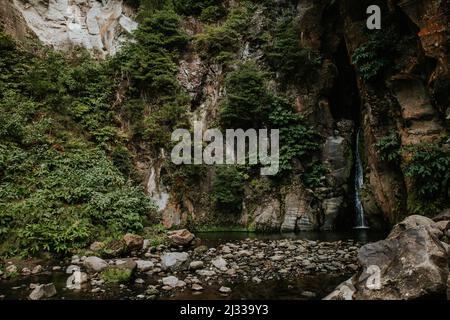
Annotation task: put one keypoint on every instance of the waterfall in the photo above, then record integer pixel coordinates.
(359, 182)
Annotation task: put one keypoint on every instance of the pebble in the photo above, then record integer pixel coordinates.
(196, 265)
(196, 287)
(224, 289)
(37, 269)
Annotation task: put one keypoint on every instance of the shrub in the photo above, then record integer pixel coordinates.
(56, 202)
(297, 139)
(220, 43)
(212, 13)
(373, 57)
(429, 168)
(228, 189)
(116, 275)
(286, 56)
(150, 60)
(194, 7)
(247, 103)
(388, 148)
(313, 175)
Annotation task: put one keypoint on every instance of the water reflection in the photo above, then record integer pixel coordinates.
(212, 239)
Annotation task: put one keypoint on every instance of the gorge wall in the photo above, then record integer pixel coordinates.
(405, 97)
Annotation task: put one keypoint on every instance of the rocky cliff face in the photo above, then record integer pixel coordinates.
(99, 26)
(407, 99)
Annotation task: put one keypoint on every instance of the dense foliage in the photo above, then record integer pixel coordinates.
(247, 102)
(228, 189)
(429, 169)
(60, 187)
(285, 54)
(388, 148)
(373, 57)
(220, 43)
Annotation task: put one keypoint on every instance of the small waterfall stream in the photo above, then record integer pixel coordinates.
(359, 182)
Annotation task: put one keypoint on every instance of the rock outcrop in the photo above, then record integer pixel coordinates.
(98, 26)
(411, 263)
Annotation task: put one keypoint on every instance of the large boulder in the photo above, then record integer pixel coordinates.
(443, 216)
(144, 265)
(133, 242)
(125, 264)
(175, 261)
(95, 264)
(43, 291)
(411, 263)
(415, 221)
(180, 237)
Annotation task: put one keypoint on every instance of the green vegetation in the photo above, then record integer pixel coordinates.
(429, 168)
(228, 189)
(221, 43)
(156, 234)
(150, 62)
(116, 275)
(285, 54)
(247, 102)
(373, 57)
(60, 184)
(389, 148)
(67, 136)
(298, 141)
(207, 10)
(313, 174)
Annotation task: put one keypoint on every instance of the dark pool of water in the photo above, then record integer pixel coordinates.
(319, 284)
(213, 239)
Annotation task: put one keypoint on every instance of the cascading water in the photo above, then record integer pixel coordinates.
(359, 182)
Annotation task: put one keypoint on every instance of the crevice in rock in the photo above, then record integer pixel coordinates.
(344, 100)
(345, 104)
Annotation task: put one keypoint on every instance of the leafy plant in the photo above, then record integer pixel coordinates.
(116, 275)
(247, 102)
(373, 57)
(429, 168)
(389, 148)
(313, 175)
(220, 43)
(297, 140)
(228, 189)
(286, 56)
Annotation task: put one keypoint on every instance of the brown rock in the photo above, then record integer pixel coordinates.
(180, 237)
(97, 246)
(443, 225)
(443, 216)
(133, 241)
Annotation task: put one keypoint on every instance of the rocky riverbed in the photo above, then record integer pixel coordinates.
(247, 268)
